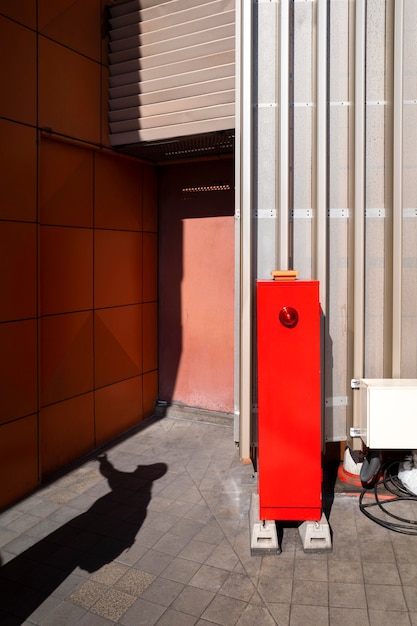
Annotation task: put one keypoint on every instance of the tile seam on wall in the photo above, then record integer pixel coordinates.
(63, 45)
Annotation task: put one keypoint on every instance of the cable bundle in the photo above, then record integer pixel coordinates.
(395, 491)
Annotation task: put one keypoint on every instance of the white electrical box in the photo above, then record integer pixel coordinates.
(388, 413)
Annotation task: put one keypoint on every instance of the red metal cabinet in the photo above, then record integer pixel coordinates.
(289, 410)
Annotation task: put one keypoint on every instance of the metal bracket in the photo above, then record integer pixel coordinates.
(265, 213)
(336, 401)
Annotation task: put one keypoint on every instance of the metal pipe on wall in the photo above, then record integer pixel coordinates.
(397, 217)
(238, 183)
(321, 154)
(359, 198)
(359, 188)
(246, 209)
(283, 136)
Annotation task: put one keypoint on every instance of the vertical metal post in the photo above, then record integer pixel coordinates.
(397, 187)
(283, 134)
(321, 151)
(359, 198)
(236, 424)
(246, 194)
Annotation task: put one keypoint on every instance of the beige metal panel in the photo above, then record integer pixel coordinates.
(169, 132)
(125, 20)
(117, 34)
(375, 49)
(303, 137)
(304, 111)
(124, 68)
(176, 9)
(337, 331)
(338, 160)
(265, 115)
(123, 91)
(188, 24)
(134, 41)
(266, 238)
(336, 416)
(339, 51)
(154, 8)
(302, 228)
(163, 38)
(122, 8)
(124, 103)
(173, 55)
(375, 156)
(267, 53)
(266, 191)
(409, 195)
(174, 106)
(181, 70)
(377, 199)
(165, 63)
(134, 47)
(129, 78)
(410, 152)
(410, 46)
(180, 117)
(336, 337)
(187, 90)
(304, 50)
(374, 297)
(181, 67)
(409, 299)
(175, 78)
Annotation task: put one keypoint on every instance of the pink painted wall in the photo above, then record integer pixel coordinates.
(196, 286)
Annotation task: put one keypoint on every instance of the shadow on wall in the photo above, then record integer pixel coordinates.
(88, 541)
(196, 285)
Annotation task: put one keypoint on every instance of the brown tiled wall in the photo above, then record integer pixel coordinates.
(78, 249)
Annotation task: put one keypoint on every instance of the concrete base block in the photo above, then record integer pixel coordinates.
(315, 536)
(263, 533)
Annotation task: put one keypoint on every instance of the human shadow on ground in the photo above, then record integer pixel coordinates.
(88, 541)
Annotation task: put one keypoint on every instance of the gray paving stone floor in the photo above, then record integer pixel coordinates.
(155, 531)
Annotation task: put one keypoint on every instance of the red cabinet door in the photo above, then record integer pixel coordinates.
(289, 408)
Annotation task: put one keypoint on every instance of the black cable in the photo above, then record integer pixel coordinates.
(399, 493)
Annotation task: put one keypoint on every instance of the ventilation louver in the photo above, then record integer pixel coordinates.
(172, 77)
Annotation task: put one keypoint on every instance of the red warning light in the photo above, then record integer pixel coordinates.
(288, 316)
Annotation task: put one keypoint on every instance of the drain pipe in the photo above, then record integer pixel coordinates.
(244, 193)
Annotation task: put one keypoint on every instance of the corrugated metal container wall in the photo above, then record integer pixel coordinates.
(345, 74)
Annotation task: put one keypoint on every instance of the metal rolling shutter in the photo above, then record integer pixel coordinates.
(171, 70)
